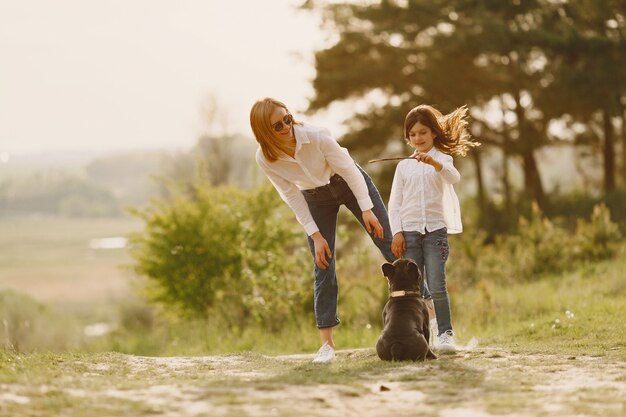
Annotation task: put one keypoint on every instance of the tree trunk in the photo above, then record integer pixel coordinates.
(608, 152)
(480, 186)
(532, 178)
(506, 183)
(623, 116)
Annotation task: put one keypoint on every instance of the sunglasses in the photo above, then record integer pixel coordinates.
(287, 120)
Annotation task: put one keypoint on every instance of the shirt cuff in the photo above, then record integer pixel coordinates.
(311, 228)
(395, 231)
(365, 203)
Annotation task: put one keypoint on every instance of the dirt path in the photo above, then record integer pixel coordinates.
(477, 383)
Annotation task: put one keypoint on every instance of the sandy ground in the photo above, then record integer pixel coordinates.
(474, 383)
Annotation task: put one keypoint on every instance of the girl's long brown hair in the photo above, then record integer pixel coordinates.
(263, 132)
(452, 136)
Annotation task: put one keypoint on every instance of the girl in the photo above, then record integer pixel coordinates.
(423, 207)
(315, 176)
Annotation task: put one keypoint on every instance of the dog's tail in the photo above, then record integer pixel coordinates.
(397, 351)
(415, 350)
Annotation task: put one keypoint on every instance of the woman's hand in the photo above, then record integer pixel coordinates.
(398, 245)
(322, 250)
(371, 223)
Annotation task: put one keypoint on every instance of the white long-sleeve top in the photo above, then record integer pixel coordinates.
(423, 199)
(317, 157)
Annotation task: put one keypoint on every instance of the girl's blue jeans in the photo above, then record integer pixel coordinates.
(324, 203)
(430, 252)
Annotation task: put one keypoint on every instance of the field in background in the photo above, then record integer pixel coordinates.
(59, 262)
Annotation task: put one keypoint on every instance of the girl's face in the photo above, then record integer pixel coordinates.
(281, 122)
(421, 137)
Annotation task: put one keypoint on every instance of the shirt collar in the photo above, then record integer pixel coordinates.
(301, 135)
(300, 132)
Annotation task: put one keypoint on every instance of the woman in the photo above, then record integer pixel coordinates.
(315, 176)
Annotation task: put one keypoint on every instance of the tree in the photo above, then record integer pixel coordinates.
(586, 47)
(507, 57)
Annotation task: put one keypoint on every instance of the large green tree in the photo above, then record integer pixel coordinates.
(586, 48)
(500, 58)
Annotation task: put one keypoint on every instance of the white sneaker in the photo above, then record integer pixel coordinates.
(432, 325)
(445, 342)
(325, 354)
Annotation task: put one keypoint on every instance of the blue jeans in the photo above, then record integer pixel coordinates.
(324, 203)
(430, 251)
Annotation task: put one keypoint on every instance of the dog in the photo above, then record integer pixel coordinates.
(405, 332)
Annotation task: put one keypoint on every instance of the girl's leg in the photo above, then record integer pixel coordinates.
(414, 250)
(436, 250)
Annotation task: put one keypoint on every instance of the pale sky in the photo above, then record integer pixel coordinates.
(92, 75)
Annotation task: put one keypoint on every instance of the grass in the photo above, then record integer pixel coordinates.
(575, 313)
(357, 383)
(526, 362)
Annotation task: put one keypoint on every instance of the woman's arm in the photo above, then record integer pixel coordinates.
(398, 244)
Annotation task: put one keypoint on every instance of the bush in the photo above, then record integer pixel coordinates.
(226, 252)
(599, 238)
(541, 246)
(26, 325)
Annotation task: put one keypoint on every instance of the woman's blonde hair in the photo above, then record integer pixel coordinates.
(451, 132)
(264, 132)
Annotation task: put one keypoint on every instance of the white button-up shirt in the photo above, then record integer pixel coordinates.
(423, 199)
(317, 157)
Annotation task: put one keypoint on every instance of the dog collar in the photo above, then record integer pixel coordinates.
(403, 293)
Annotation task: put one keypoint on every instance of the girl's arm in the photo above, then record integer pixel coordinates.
(443, 164)
(449, 173)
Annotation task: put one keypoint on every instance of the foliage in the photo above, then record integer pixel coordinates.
(224, 252)
(541, 246)
(578, 311)
(27, 325)
(522, 67)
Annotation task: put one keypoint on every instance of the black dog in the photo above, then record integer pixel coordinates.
(405, 332)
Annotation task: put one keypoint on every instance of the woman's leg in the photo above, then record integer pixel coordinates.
(326, 335)
(326, 288)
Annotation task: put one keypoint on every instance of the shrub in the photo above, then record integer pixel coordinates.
(599, 238)
(541, 246)
(26, 325)
(226, 252)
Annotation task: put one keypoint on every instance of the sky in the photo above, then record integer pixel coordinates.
(100, 75)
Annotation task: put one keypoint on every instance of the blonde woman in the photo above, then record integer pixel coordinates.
(315, 177)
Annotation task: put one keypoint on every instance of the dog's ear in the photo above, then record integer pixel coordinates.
(388, 270)
(414, 271)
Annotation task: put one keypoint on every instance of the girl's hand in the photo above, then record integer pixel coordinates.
(371, 223)
(322, 250)
(427, 159)
(398, 245)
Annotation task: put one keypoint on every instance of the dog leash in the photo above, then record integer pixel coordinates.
(395, 158)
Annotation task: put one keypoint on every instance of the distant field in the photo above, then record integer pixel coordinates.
(52, 259)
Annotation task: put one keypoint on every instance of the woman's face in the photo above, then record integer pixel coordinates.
(422, 138)
(281, 124)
